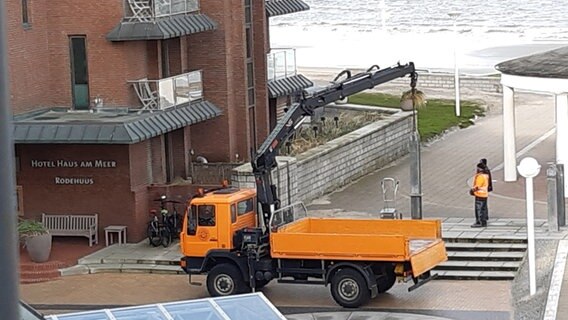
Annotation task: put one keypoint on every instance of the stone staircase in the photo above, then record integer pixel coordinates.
(482, 259)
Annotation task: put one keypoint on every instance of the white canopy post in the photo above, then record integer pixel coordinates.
(509, 144)
(562, 134)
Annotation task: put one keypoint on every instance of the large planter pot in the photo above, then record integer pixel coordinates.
(39, 247)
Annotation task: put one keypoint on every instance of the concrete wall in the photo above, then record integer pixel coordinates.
(330, 166)
(446, 81)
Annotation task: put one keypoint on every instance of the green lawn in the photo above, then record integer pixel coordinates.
(437, 116)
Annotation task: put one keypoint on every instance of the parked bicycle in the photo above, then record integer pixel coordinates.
(166, 226)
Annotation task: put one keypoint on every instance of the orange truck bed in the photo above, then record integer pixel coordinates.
(416, 241)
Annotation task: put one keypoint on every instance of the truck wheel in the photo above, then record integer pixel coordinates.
(386, 280)
(224, 280)
(349, 288)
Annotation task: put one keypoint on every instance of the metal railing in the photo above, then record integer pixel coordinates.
(169, 92)
(150, 10)
(281, 63)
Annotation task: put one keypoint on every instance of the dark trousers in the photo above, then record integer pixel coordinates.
(481, 213)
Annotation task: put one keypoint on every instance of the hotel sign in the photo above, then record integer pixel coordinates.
(79, 164)
(73, 164)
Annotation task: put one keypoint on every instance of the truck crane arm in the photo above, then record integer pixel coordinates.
(264, 161)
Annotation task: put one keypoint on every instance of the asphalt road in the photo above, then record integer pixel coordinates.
(452, 299)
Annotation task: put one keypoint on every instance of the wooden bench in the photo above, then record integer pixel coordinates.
(72, 225)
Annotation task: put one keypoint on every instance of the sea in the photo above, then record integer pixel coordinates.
(437, 35)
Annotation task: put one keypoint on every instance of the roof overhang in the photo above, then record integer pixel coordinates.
(287, 86)
(107, 127)
(163, 28)
(535, 84)
(280, 7)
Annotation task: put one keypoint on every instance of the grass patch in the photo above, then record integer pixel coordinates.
(436, 117)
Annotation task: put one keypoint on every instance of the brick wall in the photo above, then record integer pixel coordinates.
(108, 193)
(335, 164)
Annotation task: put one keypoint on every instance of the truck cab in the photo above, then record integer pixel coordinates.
(212, 220)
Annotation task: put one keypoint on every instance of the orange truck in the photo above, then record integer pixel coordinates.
(242, 240)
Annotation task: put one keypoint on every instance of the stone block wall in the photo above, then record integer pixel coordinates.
(446, 81)
(340, 161)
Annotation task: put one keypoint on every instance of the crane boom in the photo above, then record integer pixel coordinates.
(264, 161)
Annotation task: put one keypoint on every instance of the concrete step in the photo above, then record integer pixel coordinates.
(133, 268)
(485, 246)
(487, 238)
(474, 275)
(479, 265)
(486, 255)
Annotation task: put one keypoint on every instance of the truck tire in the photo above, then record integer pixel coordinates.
(224, 280)
(386, 280)
(349, 289)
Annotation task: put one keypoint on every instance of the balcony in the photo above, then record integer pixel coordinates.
(169, 92)
(281, 63)
(150, 10)
(160, 20)
(283, 77)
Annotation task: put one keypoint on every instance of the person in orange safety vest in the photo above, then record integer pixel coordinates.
(480, 190)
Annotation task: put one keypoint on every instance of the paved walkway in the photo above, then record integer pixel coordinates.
(448, 164)
(446, 167)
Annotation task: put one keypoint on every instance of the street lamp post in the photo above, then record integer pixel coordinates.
(454, 16)
(529, 168)
(9, 294)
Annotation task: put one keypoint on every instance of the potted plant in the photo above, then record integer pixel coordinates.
(36, 239)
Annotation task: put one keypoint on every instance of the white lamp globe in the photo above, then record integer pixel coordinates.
(529, 167)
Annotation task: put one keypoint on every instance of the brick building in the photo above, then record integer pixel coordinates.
(114, 99)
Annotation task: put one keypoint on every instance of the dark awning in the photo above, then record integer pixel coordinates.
(549, 64)
(163, 28)
(279, 7)
(286, 86)
(107, 127)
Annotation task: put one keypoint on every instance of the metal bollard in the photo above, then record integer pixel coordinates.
(551, 197)
(561, 205)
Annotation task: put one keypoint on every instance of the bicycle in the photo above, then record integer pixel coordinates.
(162, 231)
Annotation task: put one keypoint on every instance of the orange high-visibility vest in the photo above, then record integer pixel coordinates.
(481, 185)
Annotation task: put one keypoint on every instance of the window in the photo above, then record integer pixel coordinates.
(245, 206)
(206, 216)
(233, 213)
(79, 72)
(192, 221)
(25, 12)
(252, 126)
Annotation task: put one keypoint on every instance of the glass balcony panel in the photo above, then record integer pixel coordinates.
(182, 89)
(166, 93)
(270, 61)
(290, 63)
(178, 6)
(281, 63)
(195, 86)
(149, 10)
(169, 92)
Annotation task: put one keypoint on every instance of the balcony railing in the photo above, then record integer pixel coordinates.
(150, 10)
(169, 92)
(281, 63)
